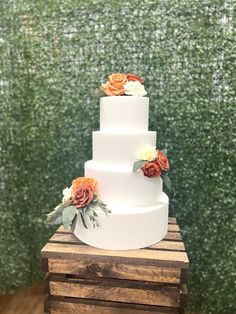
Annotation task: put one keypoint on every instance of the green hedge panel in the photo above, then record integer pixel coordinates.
(54, 55)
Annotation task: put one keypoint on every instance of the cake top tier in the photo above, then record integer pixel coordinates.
(124, 114)
(125, 108)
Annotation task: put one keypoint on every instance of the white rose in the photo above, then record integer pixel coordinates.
(147, 153)
(134, 88)
(66, 194)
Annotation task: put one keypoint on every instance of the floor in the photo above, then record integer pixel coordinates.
(27, 301)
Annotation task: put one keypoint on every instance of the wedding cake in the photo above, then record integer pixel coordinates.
(128, 171)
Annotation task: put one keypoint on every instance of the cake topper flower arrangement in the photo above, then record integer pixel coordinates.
(80, 199)
(153, 163)
(123, 84)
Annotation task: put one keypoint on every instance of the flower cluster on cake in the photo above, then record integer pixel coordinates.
(153, 163)
(80, 199)
(124, 84)
(119, 204)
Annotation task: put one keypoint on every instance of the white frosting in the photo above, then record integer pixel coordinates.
(127, 228)
(120, 149)
(119, 186)
(124, 113)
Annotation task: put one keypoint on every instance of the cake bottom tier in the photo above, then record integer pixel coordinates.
(127, 229)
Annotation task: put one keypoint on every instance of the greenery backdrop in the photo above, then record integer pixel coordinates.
(53, 55)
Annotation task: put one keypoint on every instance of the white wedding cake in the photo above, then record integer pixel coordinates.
(139, 208)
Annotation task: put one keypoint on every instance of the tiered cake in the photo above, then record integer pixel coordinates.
(139, 208)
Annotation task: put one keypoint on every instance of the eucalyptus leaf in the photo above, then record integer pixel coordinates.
(166, 180)
(83, 221)
(74, 223)
(138, 164)
(55, 221)
(55, 217)
(68, 215)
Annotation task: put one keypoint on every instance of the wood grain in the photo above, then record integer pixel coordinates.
(85, 279)
(83, 306)
(114, 270)
(124, 291)
(70, 238)
(138, 257)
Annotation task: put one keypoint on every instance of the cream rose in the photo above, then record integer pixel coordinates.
(134, 88)
(147, 153)
(66, 194)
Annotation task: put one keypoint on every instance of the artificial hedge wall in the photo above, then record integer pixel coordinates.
(53, 55)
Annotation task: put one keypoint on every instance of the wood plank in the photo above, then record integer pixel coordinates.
(122, 291)
(72, 305)
(168, 245)
(70, 238)
(172, 220)
(183, 296)
(138, 257)
(184, 276)
(173, 236)
(173, 228)
(115, 270)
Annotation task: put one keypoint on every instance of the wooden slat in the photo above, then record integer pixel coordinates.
(168, 246)
(184, 276)
(173, 236)
(122, 291)
(173, 228)
(183, 296)
(73, 305)
(115, 270)
(139, 257)
(70, 238)
(172, 220)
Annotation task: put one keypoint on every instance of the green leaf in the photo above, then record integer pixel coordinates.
(68, 215)
(56, 221)
(74, 223)
(164, 151)
(138, 164)
(83, 221)
(166, 180)
(55, 217)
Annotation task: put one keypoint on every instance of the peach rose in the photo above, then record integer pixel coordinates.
(133, 77)
(83, 181)
(115, 85)
(82, 196)
(162, 161)
(151, 170)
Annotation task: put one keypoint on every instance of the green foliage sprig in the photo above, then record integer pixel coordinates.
(66, 214)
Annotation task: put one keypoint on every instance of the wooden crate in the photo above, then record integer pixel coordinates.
(84, 279)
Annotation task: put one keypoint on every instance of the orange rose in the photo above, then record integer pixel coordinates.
(132, 77)
(115, 85)
(83, 181)
(82, 196)
(151, 170)
(162, 161)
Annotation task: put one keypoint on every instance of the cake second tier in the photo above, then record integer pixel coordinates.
(112, 148)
